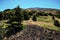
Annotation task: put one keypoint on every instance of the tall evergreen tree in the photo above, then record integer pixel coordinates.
(19, 15)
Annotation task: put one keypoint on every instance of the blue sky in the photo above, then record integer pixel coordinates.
(9, 4)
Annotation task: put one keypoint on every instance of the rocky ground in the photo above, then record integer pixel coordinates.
(33, 32)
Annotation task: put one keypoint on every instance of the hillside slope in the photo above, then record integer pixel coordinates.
(33, 32)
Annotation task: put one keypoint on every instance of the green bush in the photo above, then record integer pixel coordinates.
(53, 17)
(26, 16)
(2, 32)
(34, 18)
(50, 14)
(56, 23)
(23, 27)
(57, 14)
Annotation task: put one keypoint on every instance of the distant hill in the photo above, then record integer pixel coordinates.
(45, 9)
(48, 10)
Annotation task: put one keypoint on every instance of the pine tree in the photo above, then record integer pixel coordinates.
(19, 15)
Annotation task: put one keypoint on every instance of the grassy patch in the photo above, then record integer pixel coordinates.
(45, 19)
(3, 24)
(24, 26)
(46, 25)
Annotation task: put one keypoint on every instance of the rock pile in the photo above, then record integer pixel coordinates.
(33, 32)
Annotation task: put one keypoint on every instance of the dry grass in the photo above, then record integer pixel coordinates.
(48, 25)
(45, 19)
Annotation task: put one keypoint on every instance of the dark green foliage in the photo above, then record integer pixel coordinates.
(7, 14)
(2, 32)
(7, 10)
(50, 14)
(42, 14)
(34, 18)
(30, 13)
(17, 11)
(37, 15)
(26, 16)
(57, 14)
(53, 17)
(5, 17)
(56, 23)
(45, 14)
(33, 11)
(1, 35)
(19, 15)
(1, 16)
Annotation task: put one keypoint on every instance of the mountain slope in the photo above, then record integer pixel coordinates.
(46, 9)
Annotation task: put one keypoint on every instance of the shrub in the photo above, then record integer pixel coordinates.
(53, 17)
(57, 14)
(26, 16)
(56, 23)
(45, 14)
(23, 27)
(2, 32)
(50, 14)
(40, 14)
(34, 18)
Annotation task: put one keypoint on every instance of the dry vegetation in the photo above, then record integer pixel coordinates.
(46, 22)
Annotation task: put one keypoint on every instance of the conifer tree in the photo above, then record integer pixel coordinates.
(19, 15)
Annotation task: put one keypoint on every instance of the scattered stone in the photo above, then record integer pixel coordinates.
(33, 32)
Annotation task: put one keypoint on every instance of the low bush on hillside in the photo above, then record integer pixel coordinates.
(56, 23)
(53, 17)
(34, 18)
